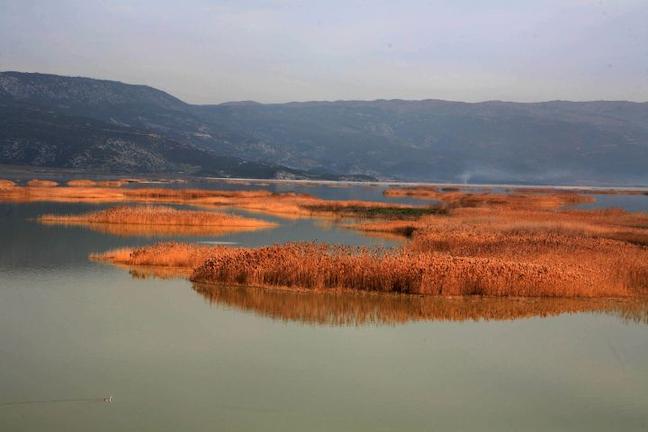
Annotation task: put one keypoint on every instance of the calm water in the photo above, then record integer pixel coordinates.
(374, 192)
(626, 202)
(182, 358)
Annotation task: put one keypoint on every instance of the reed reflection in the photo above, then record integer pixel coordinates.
(351, 308)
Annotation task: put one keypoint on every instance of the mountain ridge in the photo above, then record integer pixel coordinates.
(593, 142)
(314, 101)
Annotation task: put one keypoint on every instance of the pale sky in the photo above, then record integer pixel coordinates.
(287, 50)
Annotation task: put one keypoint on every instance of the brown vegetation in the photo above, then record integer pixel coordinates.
(526, 246)
(520, 199)
(521, 244)
(624, 191)
(94, 183)
(158, 220)
(601, 248)
(291, 205)
(38, 183)
(407, 270)
(179, 255)
(348, 307)
(7, 184)
(152, 181)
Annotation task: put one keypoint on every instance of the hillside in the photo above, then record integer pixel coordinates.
(600, 142)
(62, 121)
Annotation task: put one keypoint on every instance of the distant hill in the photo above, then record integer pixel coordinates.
(552, 142)
(50, 120)
(64, 122)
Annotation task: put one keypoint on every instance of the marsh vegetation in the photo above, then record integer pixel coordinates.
(286, 205)
(95, 183)
(158, 220)
(522, 245)
(7, 184)
(527, 243)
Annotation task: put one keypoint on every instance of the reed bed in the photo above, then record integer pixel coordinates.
(7, 184)
(287, 205)
(94, 183)
(38, 183)
(520, 199)
(158, 220)
(156, 272)
(604, 247)
(178, 255)
(312, 266)
(604, 223)
(160, 231)
(152, 181)
(323, 267)
(524, 244)
(486, 251)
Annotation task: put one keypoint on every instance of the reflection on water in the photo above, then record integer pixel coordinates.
(143, 230)
(360, 308)
(175, 360)
(355, 308)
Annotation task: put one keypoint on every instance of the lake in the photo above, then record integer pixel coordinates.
(178, 357)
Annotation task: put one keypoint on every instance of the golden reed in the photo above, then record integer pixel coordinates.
(158, 220)
(288, 205)
(522, 246)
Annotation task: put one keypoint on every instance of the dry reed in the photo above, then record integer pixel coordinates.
(501, 250)
(94, 183)
(322, 267)
(520, 199)
(39, 183)
(7, 184)
(523, 244)
(158, 220)
(289, 205)
(162, 254)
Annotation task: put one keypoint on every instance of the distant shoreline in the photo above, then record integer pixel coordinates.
(20, 172)
(441, 184)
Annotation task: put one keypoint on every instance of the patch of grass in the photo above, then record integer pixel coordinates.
(520, 199)
(487, 250)
(94, 183)
(7, 184)
(287, 205)
(38, 183)
(410, 270)
(177, 255)
(158, 220)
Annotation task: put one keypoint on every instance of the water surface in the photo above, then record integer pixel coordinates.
(178, 357)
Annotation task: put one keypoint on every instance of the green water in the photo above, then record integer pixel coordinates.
(174, 361)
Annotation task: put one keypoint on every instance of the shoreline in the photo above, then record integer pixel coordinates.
(14, 172)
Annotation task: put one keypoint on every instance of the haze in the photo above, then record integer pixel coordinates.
(275, 51)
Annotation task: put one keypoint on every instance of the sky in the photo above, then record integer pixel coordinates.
(287, 50)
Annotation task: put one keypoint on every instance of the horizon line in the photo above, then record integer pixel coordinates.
(378, 99)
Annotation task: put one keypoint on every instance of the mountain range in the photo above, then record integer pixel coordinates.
(107, 126)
